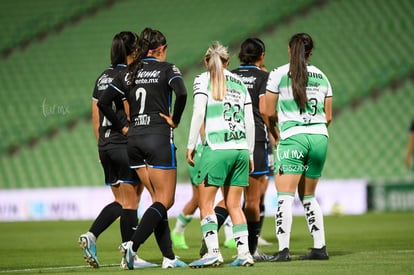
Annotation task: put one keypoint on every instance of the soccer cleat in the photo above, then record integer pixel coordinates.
(128, 254)
(123, 264)
(263, 242)
(207, 260)
(141, 263)
(138, 263)
(246, 260)
(316, 254)
(259, 256)
(178, 240)
(230, 243)
(168, 263)
(281, 256)
(88, 246)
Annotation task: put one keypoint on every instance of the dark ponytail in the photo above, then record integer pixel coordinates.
(251, 50)
(148, 40)
(123, 44)
(301, 45)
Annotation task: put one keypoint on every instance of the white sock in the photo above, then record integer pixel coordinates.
(228, 229)
(210, 236)
(241, 234)
(182, 222)
(283, 219)
(314, 218)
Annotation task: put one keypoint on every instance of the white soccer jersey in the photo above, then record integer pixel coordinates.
(291, 120)
(224, 121)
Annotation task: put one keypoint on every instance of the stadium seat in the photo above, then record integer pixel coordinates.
(361, 45)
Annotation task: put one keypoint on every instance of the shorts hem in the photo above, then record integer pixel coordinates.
(137, 166)
(130, 181)
(164, 167)
(112, 183)
(260, 173)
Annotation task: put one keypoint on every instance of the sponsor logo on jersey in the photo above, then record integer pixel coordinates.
(148, 77)
(233, 79)
(234, 136)
(315, 75)
(103, 82)
(142, 120)
(176, 70)
(249, 81)
(148, 74)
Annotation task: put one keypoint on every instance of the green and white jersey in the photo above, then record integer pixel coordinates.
(291, 121)
(229, 123)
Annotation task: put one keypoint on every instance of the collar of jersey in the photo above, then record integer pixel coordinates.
(121, 65)
(249, 66)
(150, 58)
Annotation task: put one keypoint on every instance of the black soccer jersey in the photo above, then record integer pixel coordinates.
(152, 95)
(107, 135)
(255, 80)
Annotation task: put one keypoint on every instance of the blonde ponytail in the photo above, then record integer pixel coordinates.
(216, 56)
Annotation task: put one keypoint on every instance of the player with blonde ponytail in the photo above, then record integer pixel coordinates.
(222, 102)
(217, 58)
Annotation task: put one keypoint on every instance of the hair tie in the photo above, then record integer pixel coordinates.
(157, 49)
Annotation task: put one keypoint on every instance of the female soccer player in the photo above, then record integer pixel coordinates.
(113, 154)
(251, 56)
(185, 217)
(151, 147)
(222, 102)
(299, 98)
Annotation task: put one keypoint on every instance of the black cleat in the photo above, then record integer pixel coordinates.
(259, 256)
(316, 254)
(281, 256)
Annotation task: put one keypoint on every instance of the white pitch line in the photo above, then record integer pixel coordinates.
(54, 268)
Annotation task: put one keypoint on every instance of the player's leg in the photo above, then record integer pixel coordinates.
(108, 214)
(131, 193)
(290, 157)
(252, 209)
(213, 171)
(307, 188)
(269, 178)
(233, 190)
(183, 219)
(130, 189)
(209, 227)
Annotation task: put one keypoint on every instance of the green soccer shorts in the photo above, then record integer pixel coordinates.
(301, 154)
(224, 167)
(193, 170)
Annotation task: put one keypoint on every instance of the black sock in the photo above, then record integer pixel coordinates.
(163, 237)
(254, 231)
(107, 216)
(262, 216)
(221, 214)
(149, 221)
(128, 223)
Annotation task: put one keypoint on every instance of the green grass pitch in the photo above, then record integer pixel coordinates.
(374, 243)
